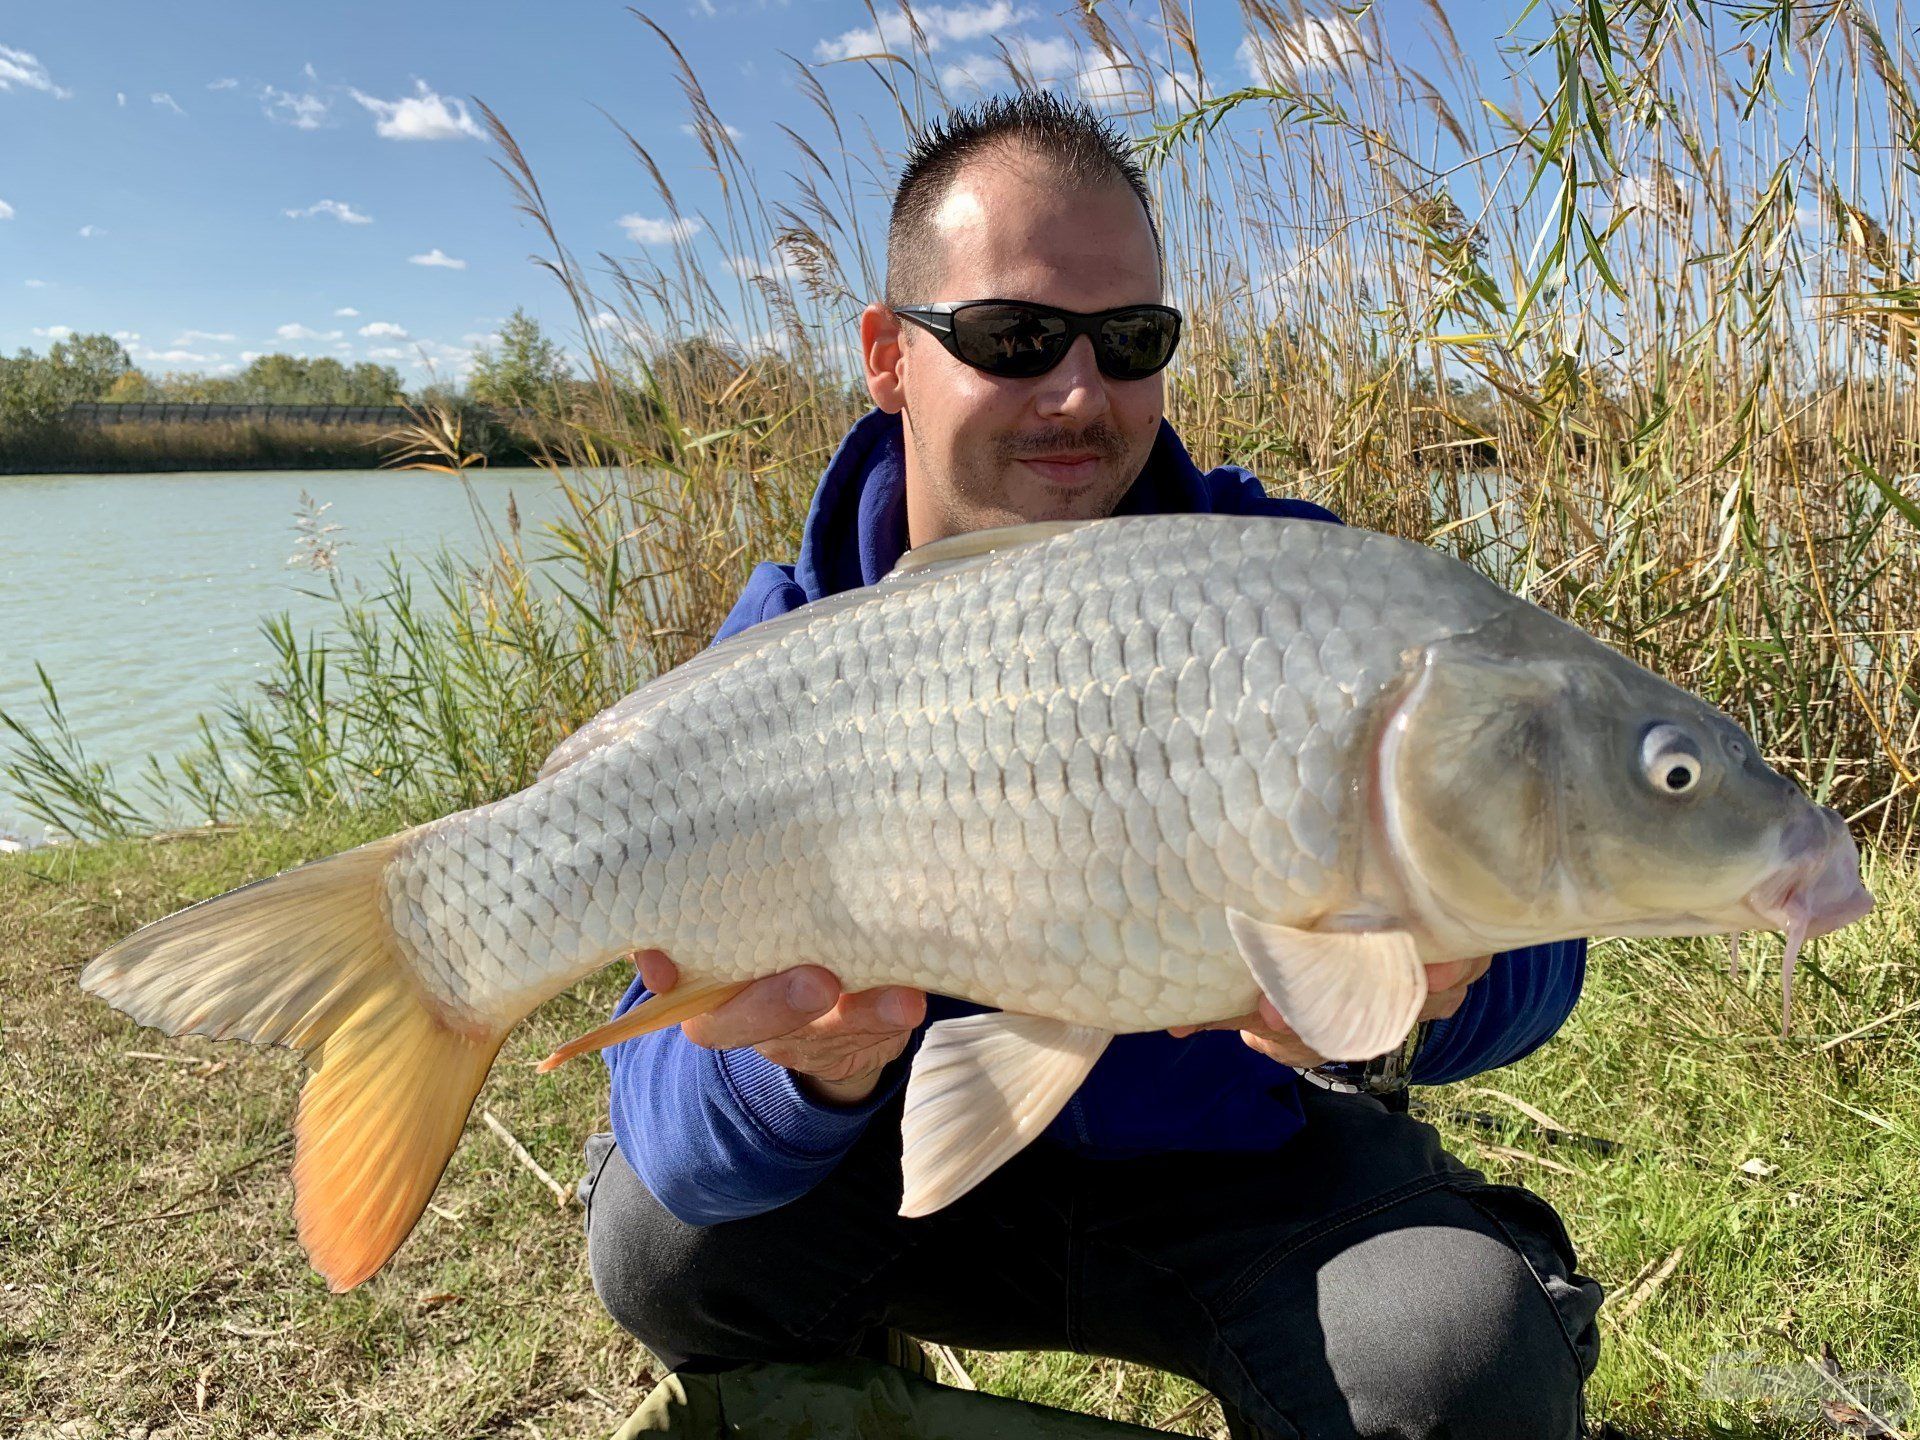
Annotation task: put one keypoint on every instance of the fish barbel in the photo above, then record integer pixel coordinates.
(1105, 776)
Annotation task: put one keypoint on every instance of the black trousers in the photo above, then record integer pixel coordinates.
(1359, 1281)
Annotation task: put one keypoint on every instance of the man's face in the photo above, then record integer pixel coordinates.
(1014, 232)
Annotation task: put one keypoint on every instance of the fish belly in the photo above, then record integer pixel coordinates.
(1037, 782)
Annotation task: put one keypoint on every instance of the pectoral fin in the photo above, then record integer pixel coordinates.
(1349, 995)
(982, 1086)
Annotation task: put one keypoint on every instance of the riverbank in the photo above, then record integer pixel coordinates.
(170, 447)
(1755, 1209)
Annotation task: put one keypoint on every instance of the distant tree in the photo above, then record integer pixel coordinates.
(36, 389)
(88, 365)
(28, 395)
(85, 367)
(370, 384)
(525, 371)
(130, 388)
(295, 380)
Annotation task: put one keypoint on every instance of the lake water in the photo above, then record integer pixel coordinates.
(142, 595)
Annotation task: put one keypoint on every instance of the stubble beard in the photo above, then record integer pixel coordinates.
(986, 491)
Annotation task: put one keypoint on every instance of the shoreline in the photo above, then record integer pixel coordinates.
(171, 446)
(237, 466)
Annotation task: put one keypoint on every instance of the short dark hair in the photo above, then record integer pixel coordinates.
(1084, 150)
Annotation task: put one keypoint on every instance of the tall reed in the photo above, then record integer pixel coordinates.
(1623, 314)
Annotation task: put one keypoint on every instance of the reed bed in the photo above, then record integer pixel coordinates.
(78, 449)
(1622, 314)
(159, 446)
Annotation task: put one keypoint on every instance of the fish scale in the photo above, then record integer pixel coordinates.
(907, 793)
(1103, 776)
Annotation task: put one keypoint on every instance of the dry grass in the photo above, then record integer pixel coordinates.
(151, 1275)
(1596, 314)
(1599, 315)
(1596, 355)
(209, 445)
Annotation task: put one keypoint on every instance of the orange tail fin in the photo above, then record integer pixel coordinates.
(307, 959)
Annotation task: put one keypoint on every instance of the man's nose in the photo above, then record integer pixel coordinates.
(1075, 387)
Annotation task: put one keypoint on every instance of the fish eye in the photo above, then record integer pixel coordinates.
(1670, 759)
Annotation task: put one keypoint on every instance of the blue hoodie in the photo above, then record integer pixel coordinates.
(722, 1134)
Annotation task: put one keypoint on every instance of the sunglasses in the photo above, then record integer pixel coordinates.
(1016, 339)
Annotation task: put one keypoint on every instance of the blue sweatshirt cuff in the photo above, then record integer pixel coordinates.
(792, 1121)
(1511, 1011)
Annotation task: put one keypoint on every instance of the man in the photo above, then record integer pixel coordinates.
(1314, 1258)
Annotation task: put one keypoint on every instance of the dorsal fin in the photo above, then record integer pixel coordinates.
(976, 543)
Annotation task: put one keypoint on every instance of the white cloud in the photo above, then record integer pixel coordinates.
(247, 357)
(6, 211)
(308, 71)
(39, 284)
(1179, 89)
(1312, 46)
(175, 357)
(301, 332)
(1048, 61)
(939, 23)
(437, 355)
(421, 116)
(192, 337)
(437, 257)
(302, 112)
(389, 352)
(53, 332)
(1110, 87)
(90, 232)
(627, 331)
(733, 131)
(777, 268)
(126, 337)
(645, 231)
(120, 98)
(166, 102)
(226, 83)
(338, 209)
(383, 330)
(474, 337)
(347, 312)
(17, 67)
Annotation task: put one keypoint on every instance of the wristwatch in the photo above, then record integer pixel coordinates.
(1386, 1074)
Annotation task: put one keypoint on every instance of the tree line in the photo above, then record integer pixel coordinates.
(523, 369)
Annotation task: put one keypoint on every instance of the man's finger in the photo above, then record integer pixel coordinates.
(1449, 974)
(891, 1007)
(657, 972)
(766, 1009)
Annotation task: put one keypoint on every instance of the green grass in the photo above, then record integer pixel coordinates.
(151, 1275)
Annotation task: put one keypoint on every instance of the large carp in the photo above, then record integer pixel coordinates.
(1107, 776)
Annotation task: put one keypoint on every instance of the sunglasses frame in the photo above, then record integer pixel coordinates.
(937, 320)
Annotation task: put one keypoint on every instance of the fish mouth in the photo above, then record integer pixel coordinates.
(1814, 890)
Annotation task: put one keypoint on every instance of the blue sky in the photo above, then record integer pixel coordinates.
(216, 180)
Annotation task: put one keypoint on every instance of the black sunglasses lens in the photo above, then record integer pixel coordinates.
(1009, 340)
(1135, 344)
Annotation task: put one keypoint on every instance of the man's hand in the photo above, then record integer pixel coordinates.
(1268, 1033)
(835, 1044)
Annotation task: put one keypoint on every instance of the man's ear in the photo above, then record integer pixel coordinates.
(882, 347)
